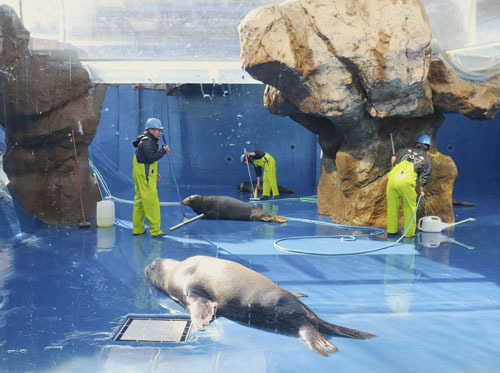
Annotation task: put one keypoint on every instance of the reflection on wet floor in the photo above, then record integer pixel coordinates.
(65, 292)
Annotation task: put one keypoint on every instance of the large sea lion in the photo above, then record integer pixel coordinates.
(247, 187)
(205, 286)
(222, 207)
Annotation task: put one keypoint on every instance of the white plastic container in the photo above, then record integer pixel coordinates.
(434, 224)
(105, 214)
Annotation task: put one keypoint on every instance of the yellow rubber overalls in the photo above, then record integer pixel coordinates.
(269, 182)
(401, 184)
(146, 201)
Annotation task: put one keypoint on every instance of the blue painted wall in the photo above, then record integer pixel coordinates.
(207, 128)
(475, 147)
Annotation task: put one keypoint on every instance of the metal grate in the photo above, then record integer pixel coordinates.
(154, 329)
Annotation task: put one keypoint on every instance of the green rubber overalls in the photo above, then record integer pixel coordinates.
(269, 182)
(401, 184)
(146, 201)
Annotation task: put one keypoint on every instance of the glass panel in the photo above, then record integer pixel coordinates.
(206, 30)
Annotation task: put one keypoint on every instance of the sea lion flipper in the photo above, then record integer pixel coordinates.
(342, 331)
(201, 309)
(316, 341)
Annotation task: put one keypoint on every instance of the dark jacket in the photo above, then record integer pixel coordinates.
(258, 155)
(147, 148)
(421, 163)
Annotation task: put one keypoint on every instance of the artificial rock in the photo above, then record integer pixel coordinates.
(353, 72)
(47, 94)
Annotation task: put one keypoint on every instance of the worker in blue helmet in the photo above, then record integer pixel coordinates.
(408, 165)
(145, 175)
(263, 161)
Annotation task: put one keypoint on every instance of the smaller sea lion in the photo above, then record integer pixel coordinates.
(247, 187)
(229, 208)
(462, 203)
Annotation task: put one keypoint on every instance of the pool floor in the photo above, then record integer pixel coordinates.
(433, 301)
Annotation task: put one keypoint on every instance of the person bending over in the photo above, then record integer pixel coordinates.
(262, 160)
(408, 165)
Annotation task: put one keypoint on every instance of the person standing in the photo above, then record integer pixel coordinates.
(145, 175)
(262, 160)
(408, 165)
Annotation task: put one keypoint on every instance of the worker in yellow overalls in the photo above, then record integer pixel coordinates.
(262, 160)
(408, 164)
(145, 175)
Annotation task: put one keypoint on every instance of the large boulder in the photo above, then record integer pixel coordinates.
(41, 165)
(344, 58)
(353, 72)
(45, 81)
(46, 96)
(476, 100)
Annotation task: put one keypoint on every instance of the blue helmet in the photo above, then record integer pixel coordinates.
(242, 158)
(154, 123)
(424, 139)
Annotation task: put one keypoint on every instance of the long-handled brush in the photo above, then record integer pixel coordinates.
(175, 180)
(84, 223)
(254, 191)
(186, 220)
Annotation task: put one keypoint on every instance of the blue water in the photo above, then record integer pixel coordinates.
(65, 291)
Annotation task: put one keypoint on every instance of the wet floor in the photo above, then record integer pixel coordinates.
(433, 302)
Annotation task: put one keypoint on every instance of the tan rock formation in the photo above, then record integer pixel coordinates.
(46, 95)
(350, 71)
(340, 59)
(352, 186)
(476, 100)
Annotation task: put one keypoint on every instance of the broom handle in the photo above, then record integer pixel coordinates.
(249, 174)
(77, 174)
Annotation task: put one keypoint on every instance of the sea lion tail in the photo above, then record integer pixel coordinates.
(342, 331)
(316, 341)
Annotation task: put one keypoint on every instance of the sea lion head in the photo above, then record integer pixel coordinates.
(192, 200)
(159, 271)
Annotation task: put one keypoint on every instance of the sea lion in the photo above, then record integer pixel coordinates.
(205, 286)
(228, 208)
(461, 203)
(247, 187)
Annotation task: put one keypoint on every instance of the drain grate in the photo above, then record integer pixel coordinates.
(154, 329)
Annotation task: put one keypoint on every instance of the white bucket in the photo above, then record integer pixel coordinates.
(105, 213)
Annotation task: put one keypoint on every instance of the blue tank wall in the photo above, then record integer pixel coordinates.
(207, 128)
(475, 147)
